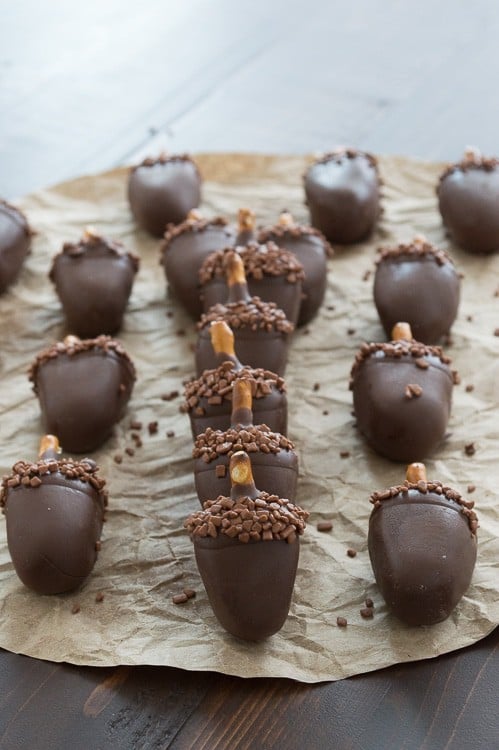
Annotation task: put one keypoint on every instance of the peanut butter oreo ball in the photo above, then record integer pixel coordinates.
(15, 243)
(273, 274)
(247, 550)
(273, 459)
(162, 191)
(402, 393)
(183, 251)
(418, 283)
(83, 387)
(312, 250)
(208, 399)
(261, 329)
(343, 195)
(468, 199)
(422, 544)
(54, 509)
(94, 279)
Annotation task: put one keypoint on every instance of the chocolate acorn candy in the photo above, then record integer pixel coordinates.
(162, 191)
(312, 250)
(247, 549)
(418, 283)
(208, 399)
(274, 461)
(422, 544)
(272, 273)
(402, 392)
(15, 243)
(93, 279)
(342, 189)
(261, 329)
(183, 251)
(468, 196)
(83, 387)
(54, 509)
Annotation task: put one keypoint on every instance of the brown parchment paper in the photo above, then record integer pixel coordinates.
(146, 555)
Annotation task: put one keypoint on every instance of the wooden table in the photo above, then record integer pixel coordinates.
(89, 85)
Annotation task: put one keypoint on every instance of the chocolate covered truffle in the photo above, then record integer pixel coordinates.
(272, 273)
(247, 549)
(312, 250)
(183, 251)
(83, 387)
(15, 243)
(418, 283)
(208, 399)
(273, 459)
(93, 279)
(343, 195)
(162, 191)
(261, 329)
(54, 509)
(468, 197)
(402, 392)
(422, 544)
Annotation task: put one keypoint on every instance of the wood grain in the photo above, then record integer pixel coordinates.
(449, 702)
(83, 88)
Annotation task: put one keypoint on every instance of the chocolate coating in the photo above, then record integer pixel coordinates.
(93, 279)
(276, 471)
(162, 191)
(468, 196)
(272, 273)
(209, 398)
(312, 250)
(343, 195)
(402, 395)
(249, 586)
(247, 551)
(261, 335)
(15, 243)
(422, 552)
(183, 252)
(52, 529)
(83, 390)
(419, 284)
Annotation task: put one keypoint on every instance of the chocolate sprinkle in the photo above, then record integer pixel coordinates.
(189, 225)
(106, 343)
(253, 439)
(218, 383)
(281, 231)
(377, 498)
(418, 248)
(91, 241)
(254, 314)
(396, 350)
(163, 158)
(471, 161)
(324, 526)
(259, 260)
(340, 154)
(264, 518)
(24, 472)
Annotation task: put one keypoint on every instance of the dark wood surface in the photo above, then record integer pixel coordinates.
(85, 86)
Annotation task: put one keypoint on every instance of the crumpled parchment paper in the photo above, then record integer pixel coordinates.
(146, 554)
